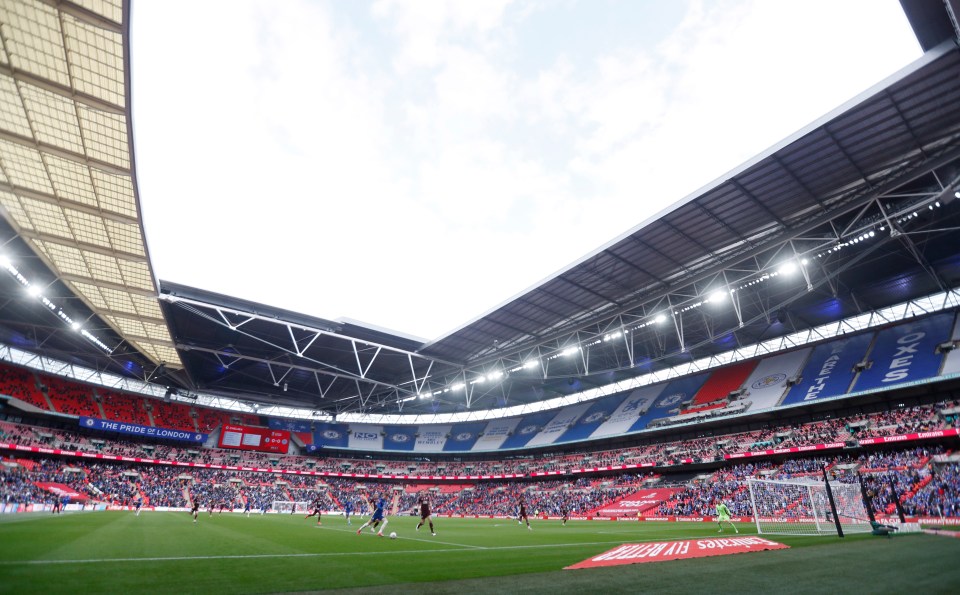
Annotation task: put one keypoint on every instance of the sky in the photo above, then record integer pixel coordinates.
(415, 164)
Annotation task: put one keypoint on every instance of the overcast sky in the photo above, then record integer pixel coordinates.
(413, 165)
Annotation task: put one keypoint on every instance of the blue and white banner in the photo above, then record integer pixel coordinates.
(634, 404)
(399, 437)
(599, 412)
(560, 423)
(464, 436)
(906, 352)
(431, 438)
(951, 364)
(290, 425)
(495, 433)
(106, 425)
(529, 426)
(365, 437)
(327, 435)
(768, 382)
(676, 395)
(829, 371)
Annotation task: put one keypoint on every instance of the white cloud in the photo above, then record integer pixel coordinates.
(410, 164)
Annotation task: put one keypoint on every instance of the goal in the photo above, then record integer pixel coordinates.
(791, 507)
(290, 507)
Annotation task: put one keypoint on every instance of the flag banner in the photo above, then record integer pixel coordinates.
(661, 551)
(259, 439)
(951, 365)
(463, 436)
(906, 352)
(290, 425)
(724, 381)
(365, 437)
(399, 437)
(495, 433)
(675, 395)
(106, 425)
(60, 490)
(431, 438)
(637, 503)
(594, 417)
(561, 422)
(829, 371)
(768, 382)
(329, 435)
(634, 404)
(529, 426)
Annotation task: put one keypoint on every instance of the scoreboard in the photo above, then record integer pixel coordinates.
(249, 438)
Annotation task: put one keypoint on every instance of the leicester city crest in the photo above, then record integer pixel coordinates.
(463, 436)
(400, 438)
(529, 429)
(768, 381)
(331, 434)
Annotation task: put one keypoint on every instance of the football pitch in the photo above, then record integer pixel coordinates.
(165, 552)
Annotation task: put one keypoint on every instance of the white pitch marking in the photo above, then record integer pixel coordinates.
(305, 555)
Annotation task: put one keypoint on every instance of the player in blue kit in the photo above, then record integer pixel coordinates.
(348, 510)
(138, 504)
(246, 507)
(379, 516)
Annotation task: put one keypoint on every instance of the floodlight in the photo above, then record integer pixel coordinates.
(716, 296)
(660, 318)
(33, 291)
(788, 268)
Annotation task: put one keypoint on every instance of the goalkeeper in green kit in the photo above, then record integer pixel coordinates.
(723, 514)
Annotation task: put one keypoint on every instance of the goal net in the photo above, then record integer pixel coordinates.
(290, 507)
(790, 507)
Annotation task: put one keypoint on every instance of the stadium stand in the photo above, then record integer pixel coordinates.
(70, 397)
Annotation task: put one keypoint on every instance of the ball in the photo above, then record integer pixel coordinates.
(393, 535)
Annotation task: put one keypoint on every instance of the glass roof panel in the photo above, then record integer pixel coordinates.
(54, 118)
(71, 180)
(23, 167)
(96, 60)
(105, 136)
(34, 41)
(14, 209)
(115, 192)
(13, 118)
(109, 9)
(47, 218)
(125, 237)
(87, 228)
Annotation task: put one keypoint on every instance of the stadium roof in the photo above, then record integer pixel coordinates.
(67, 179)
(859, 205)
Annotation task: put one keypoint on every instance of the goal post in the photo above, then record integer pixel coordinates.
(793, 507)
(290, 507)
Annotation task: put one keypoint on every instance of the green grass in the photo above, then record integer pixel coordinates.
(161, 552)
